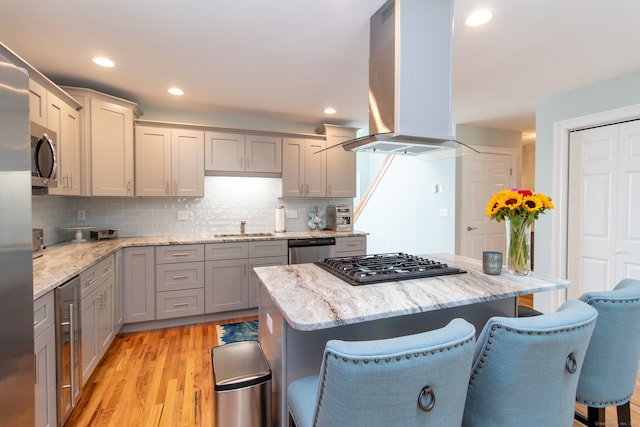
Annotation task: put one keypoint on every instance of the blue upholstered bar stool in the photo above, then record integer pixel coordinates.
(608, 376)
(414, 380)
(525, 370)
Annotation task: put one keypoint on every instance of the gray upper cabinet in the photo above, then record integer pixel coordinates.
(242, 154)
(169, 162)
(304, 170)
(107, 138)
(341, 164)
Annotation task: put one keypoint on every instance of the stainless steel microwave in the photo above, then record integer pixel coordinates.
(44, 162)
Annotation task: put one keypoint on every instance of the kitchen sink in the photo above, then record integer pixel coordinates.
(244, 235)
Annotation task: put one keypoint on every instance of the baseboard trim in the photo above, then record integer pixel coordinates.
(191, 320)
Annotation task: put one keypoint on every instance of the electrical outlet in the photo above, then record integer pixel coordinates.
(183, 215)
(269, 324)
(291, 213)
(444, 212)
(82, 215)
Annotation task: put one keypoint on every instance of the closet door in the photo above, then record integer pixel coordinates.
(628, 206)
(604, 188)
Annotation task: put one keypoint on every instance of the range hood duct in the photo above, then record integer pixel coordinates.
(409, 79)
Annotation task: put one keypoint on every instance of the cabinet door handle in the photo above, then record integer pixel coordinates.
(181, 254)
(35, 368)
(180, 277)
(70, 181)
(307, 189)
(167, 189)
(248, 164)
(129, 187)
(175, 188)
(181, 304)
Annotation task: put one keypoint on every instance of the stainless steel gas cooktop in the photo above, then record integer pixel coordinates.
(390, 267)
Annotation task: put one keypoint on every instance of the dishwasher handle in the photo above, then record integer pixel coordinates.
(315, 241)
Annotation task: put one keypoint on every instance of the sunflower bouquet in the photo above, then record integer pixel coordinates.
(519, 209)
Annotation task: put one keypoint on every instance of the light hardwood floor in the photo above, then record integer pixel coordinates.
(164, 378)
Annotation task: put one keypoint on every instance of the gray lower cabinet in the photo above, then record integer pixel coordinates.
(229, 280)
(226, 285)
(180, 272)
(45, 361)
(173, 281)
(118, 291)
(97, 313)
(139, 299)
(351, 246)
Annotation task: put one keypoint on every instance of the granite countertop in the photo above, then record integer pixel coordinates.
(63, 261)
(311, 298)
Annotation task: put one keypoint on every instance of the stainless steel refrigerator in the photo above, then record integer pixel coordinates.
(16, 275)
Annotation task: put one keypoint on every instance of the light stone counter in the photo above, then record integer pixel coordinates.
(311, 298)
(63, 261)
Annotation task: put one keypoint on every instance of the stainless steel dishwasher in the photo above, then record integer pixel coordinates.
(311, 250)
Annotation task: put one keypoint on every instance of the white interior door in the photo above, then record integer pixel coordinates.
(628, 212)
(483, 174)
(604, 186)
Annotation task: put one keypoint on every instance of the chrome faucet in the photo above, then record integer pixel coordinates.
(242, 225)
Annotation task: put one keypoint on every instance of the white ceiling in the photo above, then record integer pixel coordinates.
(289, 59)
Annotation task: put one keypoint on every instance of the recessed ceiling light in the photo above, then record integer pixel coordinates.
(329, 110)
(479, 17)
(176, 91)
(103, 62)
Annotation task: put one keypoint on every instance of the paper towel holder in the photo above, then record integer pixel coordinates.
(280, 215)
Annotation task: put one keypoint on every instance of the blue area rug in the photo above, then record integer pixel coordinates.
(234, 332)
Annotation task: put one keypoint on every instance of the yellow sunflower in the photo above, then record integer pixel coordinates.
(532, 203)
(546, 201)
(493, 207)
(511, 199)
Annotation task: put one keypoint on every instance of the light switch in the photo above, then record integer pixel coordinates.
(444, 212)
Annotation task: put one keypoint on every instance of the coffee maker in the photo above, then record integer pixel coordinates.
(339, 218)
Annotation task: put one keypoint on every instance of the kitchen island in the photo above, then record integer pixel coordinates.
(303, 306)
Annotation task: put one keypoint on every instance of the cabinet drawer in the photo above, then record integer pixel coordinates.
(43, 313)
(179, 303)
(268, 248)
(179, 253)
(351, 244)
(174, 277)
(94, 276)
(219, 251)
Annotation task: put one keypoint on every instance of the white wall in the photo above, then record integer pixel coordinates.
(404, 214)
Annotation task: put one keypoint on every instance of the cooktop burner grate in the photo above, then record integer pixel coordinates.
(365, 269)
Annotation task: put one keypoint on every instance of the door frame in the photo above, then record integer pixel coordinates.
(559, 227)
(515, 178)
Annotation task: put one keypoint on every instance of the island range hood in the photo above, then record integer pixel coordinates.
(409, 79)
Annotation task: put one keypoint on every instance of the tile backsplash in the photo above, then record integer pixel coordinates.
(227, 201)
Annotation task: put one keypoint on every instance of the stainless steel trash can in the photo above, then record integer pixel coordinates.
(242, 384)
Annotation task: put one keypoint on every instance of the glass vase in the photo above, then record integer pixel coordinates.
(518, 248)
